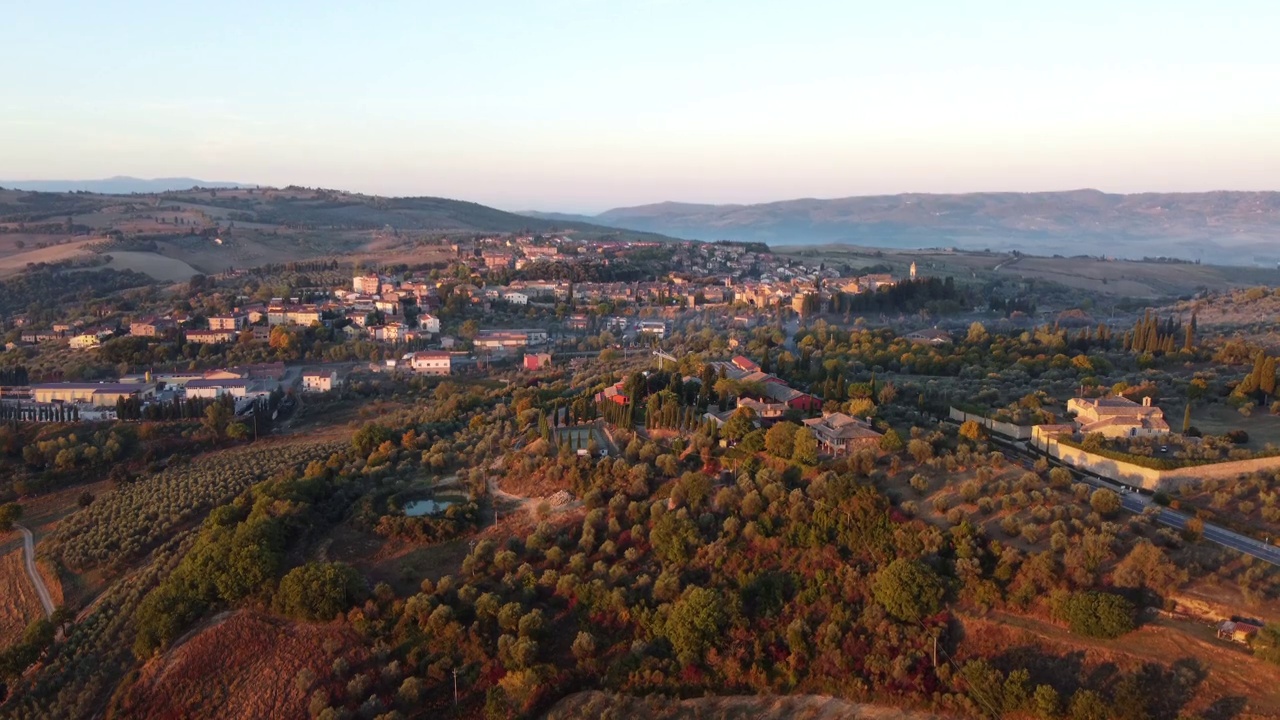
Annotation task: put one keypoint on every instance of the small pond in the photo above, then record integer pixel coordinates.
(432, 506)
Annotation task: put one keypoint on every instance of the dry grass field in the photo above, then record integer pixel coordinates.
(15, 261)
(164, 269)
(19, 605)
(242, 665)
(1214, 678)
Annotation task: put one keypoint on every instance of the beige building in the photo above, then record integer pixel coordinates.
(431, 362)
(509, 339)
(366, 284)
(293, 315)
(93, 393)
(1117, 416)
(151, 327)
(210, 336)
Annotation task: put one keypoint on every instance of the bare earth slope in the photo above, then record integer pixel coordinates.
(242, 666)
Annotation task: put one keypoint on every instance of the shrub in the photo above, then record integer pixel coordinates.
(319, 591)
(1105, 502)
(1095, 614)
(9, 514)
(908, 590)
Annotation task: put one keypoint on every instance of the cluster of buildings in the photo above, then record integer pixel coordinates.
(242, 383)
(1116, 416)
(519, 252)
(838, 434)
(489, 344)
(775, 396)
(77, 336)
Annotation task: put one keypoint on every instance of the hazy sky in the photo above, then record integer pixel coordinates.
(582, 105)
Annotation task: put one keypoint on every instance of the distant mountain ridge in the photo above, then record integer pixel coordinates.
(1185, 225)
(118, 185)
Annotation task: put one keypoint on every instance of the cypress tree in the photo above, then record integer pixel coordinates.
(1267, 379)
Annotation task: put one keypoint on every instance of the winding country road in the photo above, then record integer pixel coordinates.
(29, 550)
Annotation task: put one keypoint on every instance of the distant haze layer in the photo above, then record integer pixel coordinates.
(1237, 228)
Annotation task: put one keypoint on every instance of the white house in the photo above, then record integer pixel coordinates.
(430, 323)
(212, 389)
(319, 380)
(431, 362)
(516, 298)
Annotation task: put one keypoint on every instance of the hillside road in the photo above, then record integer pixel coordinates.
(29, 550)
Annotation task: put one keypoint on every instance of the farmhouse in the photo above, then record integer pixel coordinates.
(319, 380)
(1238, 631)
(839, 434)
(1118, 416)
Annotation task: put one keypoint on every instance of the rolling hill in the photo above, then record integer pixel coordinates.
(118, 185)
(1224, 227)
(174, 234)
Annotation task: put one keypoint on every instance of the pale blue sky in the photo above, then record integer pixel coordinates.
(581, 105)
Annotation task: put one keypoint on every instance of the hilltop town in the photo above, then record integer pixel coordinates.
(532, 457)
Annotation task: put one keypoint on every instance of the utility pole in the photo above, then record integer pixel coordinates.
(935, 652)
(455, 687)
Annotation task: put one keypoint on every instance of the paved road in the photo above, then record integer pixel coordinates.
(1177, 520)
(29, 548)
(1138, 503)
